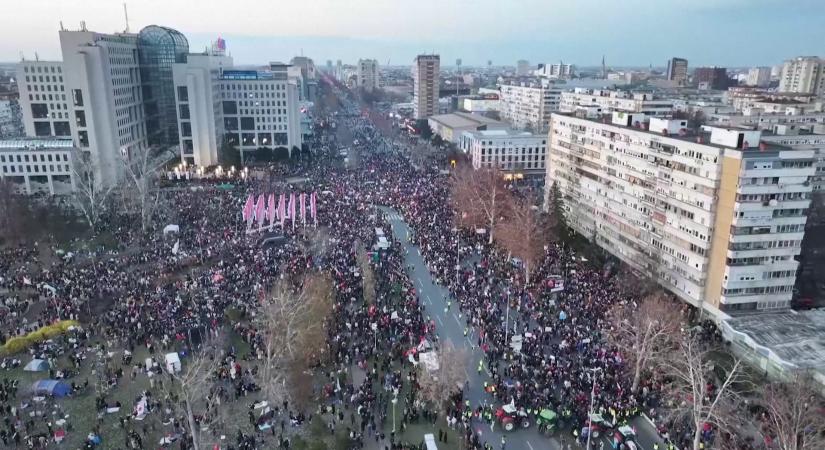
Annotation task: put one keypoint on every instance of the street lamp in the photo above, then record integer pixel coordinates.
(394, 401)
(592, 401)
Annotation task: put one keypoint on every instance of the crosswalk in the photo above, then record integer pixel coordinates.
(394, 217)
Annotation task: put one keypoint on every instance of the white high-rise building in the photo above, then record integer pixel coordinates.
(102, 77)
(804, 74)
(522, 67)
(716, 217)
(759, 76)
(425, 73)
(245, 109)
(527, 106)
(559, 71)
(43, 99)
(368, 74)
(595, 102)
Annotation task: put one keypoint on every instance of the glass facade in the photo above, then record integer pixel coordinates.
(158, 49)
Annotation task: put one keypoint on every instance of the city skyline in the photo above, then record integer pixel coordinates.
(706, 32)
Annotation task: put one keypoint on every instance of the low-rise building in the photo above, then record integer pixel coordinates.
(714, 215)
(595, 102)
(450, 126)
(481, 103)
(38, 164)
(518, 153)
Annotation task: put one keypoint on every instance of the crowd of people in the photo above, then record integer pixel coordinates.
(156, 294)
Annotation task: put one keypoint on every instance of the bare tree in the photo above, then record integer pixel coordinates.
(437, 386)
(293, 335)
(90, 195)
(524, 234)
(697, 394)
(644, 332)
(13, 212)
(142, 168)
(367, 275)
(194, 390)
(793, 418)
(480, 197)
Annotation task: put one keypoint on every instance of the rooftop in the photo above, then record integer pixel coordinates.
(36, 143)
(792, 338)
(459, 119)
(502, 132)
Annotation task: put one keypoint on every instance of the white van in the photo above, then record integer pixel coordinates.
(429, 441)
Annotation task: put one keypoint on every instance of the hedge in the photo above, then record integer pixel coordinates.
(19, 343)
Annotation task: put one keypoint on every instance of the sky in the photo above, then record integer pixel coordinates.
(732, 33)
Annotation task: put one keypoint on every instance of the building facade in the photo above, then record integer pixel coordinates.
(368, 74)
(527, 106)
(595, 102)
(711, 78)
(425, 73)
(804, 74)
(716, 218)
(759, 77)
(159, 48)
(43, 99)
(677, 71)
(38, 164)
(522, 68)
(559, 71)
(450, 126)
(518, 153)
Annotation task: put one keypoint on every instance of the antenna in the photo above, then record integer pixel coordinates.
(61, 26)
(126, 15)
(36, 56)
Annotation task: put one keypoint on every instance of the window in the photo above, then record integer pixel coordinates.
(40, 111)
(183, 94)
(83, 138)
(184, 111)
(42, 129)
(80, 118)
(77, 97)
(230, 107)
(186, 129)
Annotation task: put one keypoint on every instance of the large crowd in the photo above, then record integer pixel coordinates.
(145, 296)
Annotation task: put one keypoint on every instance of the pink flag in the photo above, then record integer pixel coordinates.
(292, 208)
(260, 210)
(272, 212)
(303, 208)
(313, 208)
(282, 209)
(248, 208)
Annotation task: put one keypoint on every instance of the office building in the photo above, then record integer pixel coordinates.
(450, 126)
(36, 165)
(425, 73)
(715, 215)
(527, 106)
(596, 102)
(368, 74)
(677, 71)
(522, 68)
(159, 48)
(245, 109)
(711, 78)
(302, 71)
(804, 74)
(759, 77)
(43, 99)
(11, 119)
(518, 153)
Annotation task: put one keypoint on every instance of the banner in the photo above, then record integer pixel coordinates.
(292, 208)
(260, 210)
(303, 197)
(248, 208)
(313, 208)
(272, 211)
(282, 209)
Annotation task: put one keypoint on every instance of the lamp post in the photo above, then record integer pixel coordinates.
(394, 401)
(592, 401)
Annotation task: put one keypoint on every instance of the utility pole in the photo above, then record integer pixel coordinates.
(593, 370)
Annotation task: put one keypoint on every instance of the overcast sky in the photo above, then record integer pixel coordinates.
(627, 32)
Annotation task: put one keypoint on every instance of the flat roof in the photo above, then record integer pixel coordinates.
(458, 119)
(503, 132)
(796, 338)
(36, 143)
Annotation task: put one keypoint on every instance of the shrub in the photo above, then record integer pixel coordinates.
(19, 343)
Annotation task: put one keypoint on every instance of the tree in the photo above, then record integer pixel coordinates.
(13, 213)
(698, 396)
(480, 197)
(292, 323)
(793, 419)
(644, 332)
(195, 389)
(229, 155)
(367, 274)
(558, 212)
(142, 168)
(90, 194)
(424, 128)
(524, 234)
(438, 386)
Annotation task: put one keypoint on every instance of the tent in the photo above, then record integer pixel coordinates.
(51, 387)
(36, 365)
(172, 362)
(171, 228)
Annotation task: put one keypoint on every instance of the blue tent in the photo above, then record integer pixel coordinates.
(51, 387)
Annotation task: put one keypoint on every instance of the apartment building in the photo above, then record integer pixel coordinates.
(43, 99)
(804, 74)
(759, 77)
(558, 71)
(517, 153)
(527, 106)
(715, 215)
(677, 71)
(368, 74)
(596, 102)
(425, 73)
